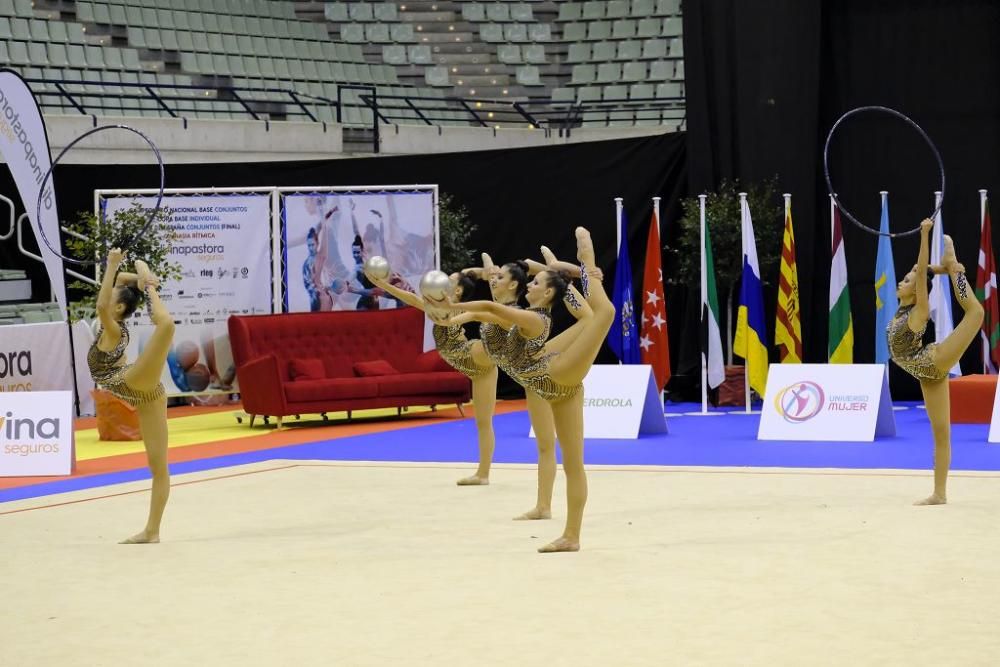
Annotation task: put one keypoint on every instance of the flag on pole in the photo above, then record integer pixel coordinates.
(840, 347)
(711, 339)
(623, 337)
(986, 292)
(751, 332)
(654, 341)
(886, 302)
(788, 325)
(940, 295)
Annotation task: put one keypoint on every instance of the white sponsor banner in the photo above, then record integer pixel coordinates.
(994, 435)
(35, 357)
(329, 235)
(83, 336)
(830, 402)
(24, 146)
(224, 249)
(620, 401)
(36, 433)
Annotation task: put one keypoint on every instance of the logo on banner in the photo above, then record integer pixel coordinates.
(799, 402)
(29, 436)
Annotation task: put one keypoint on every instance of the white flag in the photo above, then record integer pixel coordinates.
(940, 296)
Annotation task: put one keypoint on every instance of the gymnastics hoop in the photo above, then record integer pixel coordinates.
(829, 183)
(48, 175)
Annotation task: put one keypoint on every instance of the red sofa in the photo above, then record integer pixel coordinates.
(297, 363)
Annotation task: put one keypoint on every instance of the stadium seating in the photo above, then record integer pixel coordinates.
(219, 58)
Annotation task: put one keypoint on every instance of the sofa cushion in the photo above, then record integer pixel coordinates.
(338, 366)
(306, 368)
(430, 361)
(422, 384)
(374, 368)
(330, 389)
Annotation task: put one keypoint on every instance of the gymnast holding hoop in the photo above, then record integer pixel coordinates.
(928, 364)
(138, 384)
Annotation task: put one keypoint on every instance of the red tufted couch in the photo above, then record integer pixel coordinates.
(297, 363)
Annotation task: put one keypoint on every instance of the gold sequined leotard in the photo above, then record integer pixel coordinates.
(455, 348)
(527, 363)
(494, 340)
(111, 377)
(907, 349)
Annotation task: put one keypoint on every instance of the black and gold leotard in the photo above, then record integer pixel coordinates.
(907, 348)
(527, 363)
(455, 348)
(110, 376)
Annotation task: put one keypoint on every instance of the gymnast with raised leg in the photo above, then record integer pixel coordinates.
(930, 364)
(554, 369)
(138, 384)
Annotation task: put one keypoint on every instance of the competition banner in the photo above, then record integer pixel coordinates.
(224, 249)
(35, 357)
(328, 236)
(24, 146)
(36, 433)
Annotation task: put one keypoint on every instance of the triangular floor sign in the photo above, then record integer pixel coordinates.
(621, 401)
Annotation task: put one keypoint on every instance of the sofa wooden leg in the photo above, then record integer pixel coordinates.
(325, 417)
(278, 421)
(399, 411)
(348, 415)
(252, 418)
(460, 410)
(434, 408)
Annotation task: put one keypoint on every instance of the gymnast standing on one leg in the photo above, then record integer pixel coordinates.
(468, 358)
(554, 370)
(930, 363)
(138, 384)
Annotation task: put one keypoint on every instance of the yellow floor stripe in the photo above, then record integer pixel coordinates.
(204, 429)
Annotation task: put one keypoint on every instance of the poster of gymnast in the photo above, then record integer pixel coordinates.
(329, 235)
(224, 251)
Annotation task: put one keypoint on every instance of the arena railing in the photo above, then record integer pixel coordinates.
(183, 101)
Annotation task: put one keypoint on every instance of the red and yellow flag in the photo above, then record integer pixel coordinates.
(788, 329)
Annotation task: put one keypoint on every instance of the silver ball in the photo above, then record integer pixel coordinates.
(435, 285)
(377, 267)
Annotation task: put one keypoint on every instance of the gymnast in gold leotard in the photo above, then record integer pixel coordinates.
(138, 383)
(555, 369)
(930, 364)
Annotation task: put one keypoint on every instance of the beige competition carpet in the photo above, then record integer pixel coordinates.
(299, 563)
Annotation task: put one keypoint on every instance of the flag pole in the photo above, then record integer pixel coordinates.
(743, 247)
(982, 336)
(618, 224)
(704, 300)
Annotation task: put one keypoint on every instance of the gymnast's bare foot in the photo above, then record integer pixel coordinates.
(933, 499)
(474, 480)
(534, 514)
(585, 248)
(144, 537)
(562, 544)
(948, 257)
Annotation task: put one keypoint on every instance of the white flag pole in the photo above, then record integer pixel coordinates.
(987, 362)
(618, 234)
(743, 246)
(618, 225)
(704, 300)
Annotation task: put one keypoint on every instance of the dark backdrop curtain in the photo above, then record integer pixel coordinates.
(518, 198)
(766, 80)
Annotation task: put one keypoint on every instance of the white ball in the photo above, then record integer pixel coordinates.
(435, 285)
(377, 267)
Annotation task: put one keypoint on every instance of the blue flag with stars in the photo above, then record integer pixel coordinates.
(623, 338)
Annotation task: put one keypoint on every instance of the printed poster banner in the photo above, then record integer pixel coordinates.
(328, 236)
(827, 402)
(224, 251)
(24, 146)
(620, 401)
(36, 433)
(35, 357)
